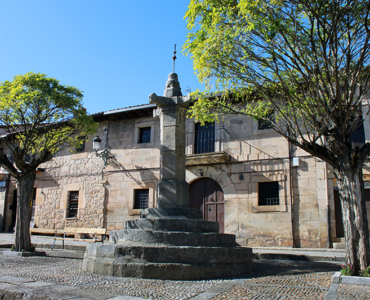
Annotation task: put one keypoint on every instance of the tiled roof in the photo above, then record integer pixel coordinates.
(118, 110)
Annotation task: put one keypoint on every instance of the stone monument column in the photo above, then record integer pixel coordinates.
(172, 190)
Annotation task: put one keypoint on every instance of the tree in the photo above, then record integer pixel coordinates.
(308, 61)
(39, 116)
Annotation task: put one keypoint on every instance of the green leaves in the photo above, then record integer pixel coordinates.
(40, 115)
(308, 60)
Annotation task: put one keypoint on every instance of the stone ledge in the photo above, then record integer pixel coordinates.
(23, 254)
(133, 237)
(207, 158)
(167, 224)
(352, 280)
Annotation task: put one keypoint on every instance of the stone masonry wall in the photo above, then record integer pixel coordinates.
(260, 156)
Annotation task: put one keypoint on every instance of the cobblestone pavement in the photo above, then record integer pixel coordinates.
(346, 292)
(269, 280)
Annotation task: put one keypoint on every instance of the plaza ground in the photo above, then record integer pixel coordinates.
(59, 276)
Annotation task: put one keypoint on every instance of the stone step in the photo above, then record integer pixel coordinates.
(171, 212)
(340, 245)
(145, 237)
(180, 254)
(173, 224)
(176, 263)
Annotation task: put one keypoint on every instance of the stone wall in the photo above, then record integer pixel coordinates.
(260, 156)
(106, 193)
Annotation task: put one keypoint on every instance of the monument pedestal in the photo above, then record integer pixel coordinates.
(170, 241)
(173, 243)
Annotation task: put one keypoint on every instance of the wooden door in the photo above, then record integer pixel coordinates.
(207, 195)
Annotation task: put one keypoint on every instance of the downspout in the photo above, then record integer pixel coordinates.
(291, 190)
(327, 206)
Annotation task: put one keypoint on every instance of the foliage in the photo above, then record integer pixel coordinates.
(365, 272)
(33, 247)
(40, 116)
(346, 270)
(309, 62)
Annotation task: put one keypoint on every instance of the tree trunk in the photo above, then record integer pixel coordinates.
(356, 230)
(24, 210)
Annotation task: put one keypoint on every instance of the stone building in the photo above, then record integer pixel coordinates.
(241, 174)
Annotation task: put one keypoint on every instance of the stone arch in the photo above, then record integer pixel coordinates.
(207, 195)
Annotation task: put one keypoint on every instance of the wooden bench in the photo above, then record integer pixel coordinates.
(43, 231)
(81, 230)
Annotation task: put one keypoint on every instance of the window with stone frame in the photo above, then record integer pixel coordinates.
(144, 135)
(268, 193)
(81, 147)
(265, 124)
(141, 198)
(72, 204)
(204, 141)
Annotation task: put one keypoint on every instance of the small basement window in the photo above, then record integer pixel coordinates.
(268, 193)
(72, 204)
(144, 135)
(141, 199)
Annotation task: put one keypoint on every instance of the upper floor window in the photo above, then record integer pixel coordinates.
(81, 147)
(141, 199)
(144, 134)
(265, 124)
(268, 193)
(204, 138)
(358, 135)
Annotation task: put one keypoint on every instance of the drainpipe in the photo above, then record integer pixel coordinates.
(327, 206)
(291, 190)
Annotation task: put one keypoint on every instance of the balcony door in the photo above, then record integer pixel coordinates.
(204, 138)
(207, 195)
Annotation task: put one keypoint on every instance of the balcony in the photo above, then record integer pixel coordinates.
(206, 145)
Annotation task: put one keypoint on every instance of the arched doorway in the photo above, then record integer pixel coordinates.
(207, 195)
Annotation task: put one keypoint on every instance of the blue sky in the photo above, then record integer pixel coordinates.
(116, 51)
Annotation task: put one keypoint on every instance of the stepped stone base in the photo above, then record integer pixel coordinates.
(169, 243)
(161, 262)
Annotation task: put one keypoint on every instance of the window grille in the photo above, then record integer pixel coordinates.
(141, 199)
(264, 124)
(268, 193)
(144, 134)
(204, 138)
(73, 204)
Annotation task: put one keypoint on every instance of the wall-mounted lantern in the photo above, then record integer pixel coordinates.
(104, 154)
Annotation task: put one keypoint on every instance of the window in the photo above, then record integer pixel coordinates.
(144, 135)
(268, 193)
(33, 204)
(204, 138)
(141, 199)
(358, 135)
(264, 124)
(81, 147)
(72, 204)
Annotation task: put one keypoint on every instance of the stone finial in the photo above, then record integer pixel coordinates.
(173, 88)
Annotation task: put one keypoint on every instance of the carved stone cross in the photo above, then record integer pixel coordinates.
(172, 190)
